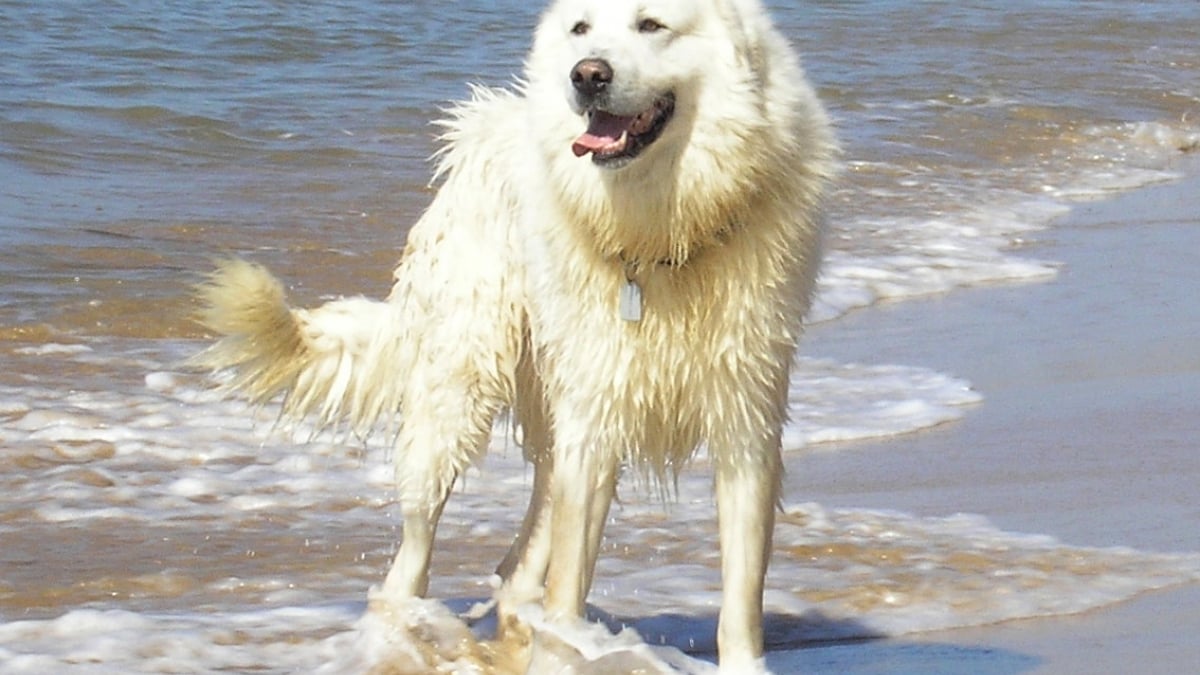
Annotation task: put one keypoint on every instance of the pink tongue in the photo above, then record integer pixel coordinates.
(604, 130)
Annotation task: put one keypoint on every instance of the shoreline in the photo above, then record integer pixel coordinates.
(1087, 433)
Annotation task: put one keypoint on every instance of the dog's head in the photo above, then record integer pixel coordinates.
(628, 70)
(646, 112)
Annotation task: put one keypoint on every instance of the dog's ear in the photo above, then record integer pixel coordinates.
(745, 39)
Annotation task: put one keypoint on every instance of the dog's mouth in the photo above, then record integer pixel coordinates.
(613, 139)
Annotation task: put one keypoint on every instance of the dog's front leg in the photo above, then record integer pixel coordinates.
(582, 485)
(747, 492)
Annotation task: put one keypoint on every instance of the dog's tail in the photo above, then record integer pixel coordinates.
(316, 358)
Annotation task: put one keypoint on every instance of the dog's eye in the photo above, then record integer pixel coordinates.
(649, 26)
(580, 28)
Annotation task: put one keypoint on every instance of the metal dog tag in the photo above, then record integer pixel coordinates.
(631, 301)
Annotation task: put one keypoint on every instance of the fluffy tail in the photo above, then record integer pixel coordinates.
(320, 360)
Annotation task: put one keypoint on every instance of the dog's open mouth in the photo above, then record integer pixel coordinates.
(613, 138)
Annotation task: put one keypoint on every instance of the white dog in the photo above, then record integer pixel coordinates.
(620, 253)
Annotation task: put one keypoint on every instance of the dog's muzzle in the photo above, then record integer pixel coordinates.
(614, 139)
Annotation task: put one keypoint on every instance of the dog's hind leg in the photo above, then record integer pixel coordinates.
(424, 487)
(443, 431)
(409, 574)
(523, 570)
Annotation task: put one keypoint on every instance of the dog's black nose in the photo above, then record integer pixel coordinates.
(590, 77)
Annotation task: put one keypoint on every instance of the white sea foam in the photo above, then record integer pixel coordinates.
(193, 449)
(846, 402)
(175, 463)
(920, 233)
(837, 574)
(52, 349)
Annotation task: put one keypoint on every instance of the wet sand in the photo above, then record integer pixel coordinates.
(1088, 433)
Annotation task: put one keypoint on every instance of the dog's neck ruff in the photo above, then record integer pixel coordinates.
(632, 302)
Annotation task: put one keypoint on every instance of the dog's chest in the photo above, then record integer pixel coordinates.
(657, 333)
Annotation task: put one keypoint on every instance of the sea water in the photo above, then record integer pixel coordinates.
(148, 525)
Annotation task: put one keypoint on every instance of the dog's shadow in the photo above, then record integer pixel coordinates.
(812, 642)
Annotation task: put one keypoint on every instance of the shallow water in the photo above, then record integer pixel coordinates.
(137, 507)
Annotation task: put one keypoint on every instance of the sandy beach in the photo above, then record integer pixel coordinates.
(1087, 433)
